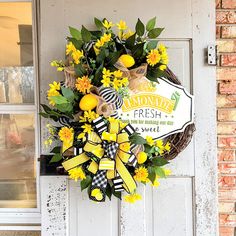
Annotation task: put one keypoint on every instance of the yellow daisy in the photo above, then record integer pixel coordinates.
(70, 48)
(87, 128)
(132, 198)
(150, 140)
(122, 25)
(77, 55)
(141, 174)
(153, 57)
(107, 24)
(83, 84)
(77, 173)
(66, 134)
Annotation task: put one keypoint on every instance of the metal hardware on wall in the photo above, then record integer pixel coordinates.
(212, 55)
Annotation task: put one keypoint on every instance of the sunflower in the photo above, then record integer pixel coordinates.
(77, 173)
(66, 134)
(153, 57)
(141, 174)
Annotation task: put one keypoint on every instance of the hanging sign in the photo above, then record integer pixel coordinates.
(158, 111)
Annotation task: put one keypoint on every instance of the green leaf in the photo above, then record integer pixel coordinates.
(68, 93)
(57, 157)
(151, 174)
(137, 50)
(56, 150)
(139, 28)
(158, 161)
(129, 43)
(137, 139)
(85, 182)
(75, 33)
(77, 43)
(46, 108)
(151, 24)
(108, 191)
(160, 172)
(86, 35)
(154, 33)
(98, 23)
(152, 45)
(43, 114)
(112, 58)
(79, 70)
(59, 99)
(65, 107)
(117, 194)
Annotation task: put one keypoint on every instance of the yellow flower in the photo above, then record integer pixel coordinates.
(128, 34)
(117, 73)
(159, 143)
(99, 43)
(107, 24)
(106, 81)
(167, 147)
(132, 198)
(106, 38)
(97, 194)
(89, 116)
(52, 93)
(87, 128)
(116, 84)
(66, 134)
(106, 73)
(83, 84)
(162, 48)
(48, 142)
(124, 81)
(164, 58)
(55, 86)
(81, 136)
(77, 55)
(150, 140)
(156, 183)
(167, 172)
(153, 57)
(122, 25)
(70, 48)
(77, 173)
(96, 50)
(141, 174)
(162, 67)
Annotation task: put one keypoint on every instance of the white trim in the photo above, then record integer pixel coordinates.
(204, 82)
(20, 228)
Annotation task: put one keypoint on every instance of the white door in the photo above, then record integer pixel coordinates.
(186, 203)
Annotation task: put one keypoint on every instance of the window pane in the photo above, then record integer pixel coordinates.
(17, 161)
(16, 53)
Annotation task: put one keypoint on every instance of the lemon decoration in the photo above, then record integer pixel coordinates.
(97, 194)
(126, 60)
(142, 157)
(88, 102)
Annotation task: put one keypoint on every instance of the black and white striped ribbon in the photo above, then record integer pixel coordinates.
(118, 184)
(64, 121)
(133, 160)
(111, 96)
(129, 129)
(99, 125)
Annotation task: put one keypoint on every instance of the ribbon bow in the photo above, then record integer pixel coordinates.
(108, 150)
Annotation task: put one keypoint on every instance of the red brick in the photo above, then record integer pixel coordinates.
(224, 73)
(226, 101)
(227, 142)
(227, 87)
(227, 207)
(228, 31)
(225, 17)
(228, 220)
(228, 194)
(228, 60)
(226, 231)
(229, 4)
(226, 155)
(226, 46)
(229, 168)
(226, 128)
(226, 181)
(227, 115)
(218, 32)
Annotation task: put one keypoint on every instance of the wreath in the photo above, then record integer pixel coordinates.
(97, 147)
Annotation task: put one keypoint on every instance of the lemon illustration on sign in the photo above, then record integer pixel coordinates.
(88, 102)
(142, 157)
(126, 60)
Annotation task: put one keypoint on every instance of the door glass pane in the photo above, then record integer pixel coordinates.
(16, 53)
(17, 161)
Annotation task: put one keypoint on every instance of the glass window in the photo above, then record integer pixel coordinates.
(16, 53)
(18, 112)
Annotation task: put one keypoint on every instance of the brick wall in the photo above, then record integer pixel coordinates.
(226, 104)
